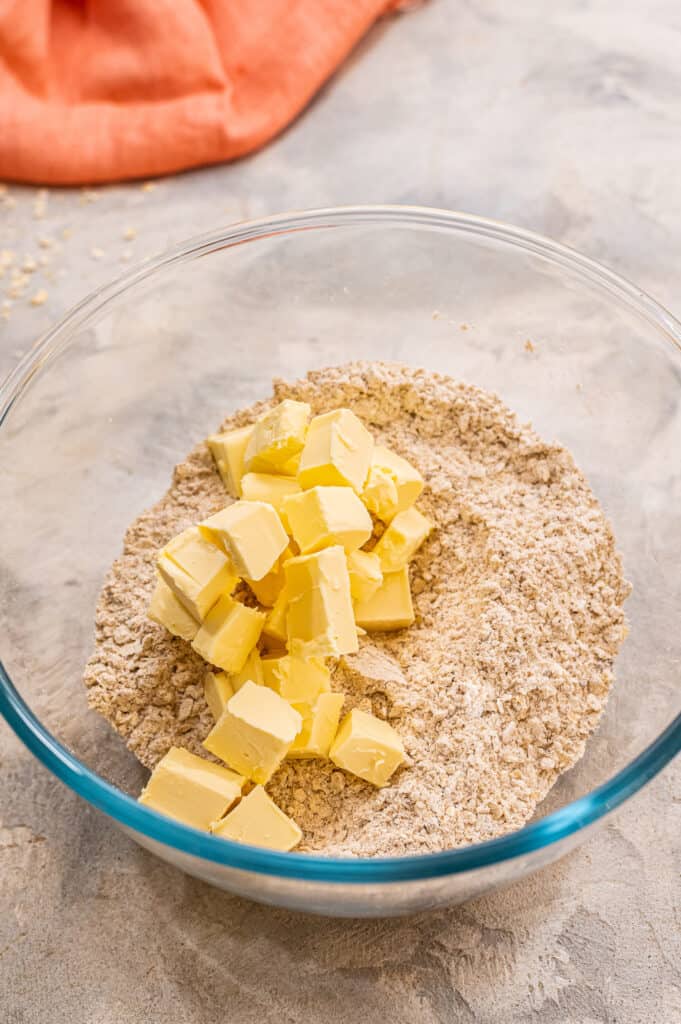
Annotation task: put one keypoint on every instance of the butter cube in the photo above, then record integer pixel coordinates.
(325, 516)
(257, 821)
(389, 607)
(252, 535)
(320, 724)
(167, 610)
(406, 479)
(275, 623)
(217, 689)
(278, 436)
(402, 539)
(271, 489)
(254, 732)
(228, 634)
(380, 493)
(367, 747)
(296, 679)
(252, 671)
(290, 468)
(196, 571)
(320, 620)
(190, 789)
(267, 589)
(366, 577)
(228, 451)
(337, 452)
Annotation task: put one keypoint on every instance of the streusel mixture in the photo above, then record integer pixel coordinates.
(518, 595)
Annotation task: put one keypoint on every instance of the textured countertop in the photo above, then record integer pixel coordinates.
(566, 122)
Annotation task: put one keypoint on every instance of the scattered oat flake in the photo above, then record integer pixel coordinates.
(5, 261)
(45, 242)
(39, 298)
(66, 233)
(18, 285)
(88, 196)
(463, 327)
(129, 234)
(29, 266)
(148, 186)
(126, 256)
(529, 347)
(40, 204)
(436, 314)
(97, 254)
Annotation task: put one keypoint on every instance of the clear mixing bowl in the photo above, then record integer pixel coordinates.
(93, 420)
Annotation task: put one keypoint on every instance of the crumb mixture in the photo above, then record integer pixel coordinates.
(494, 690)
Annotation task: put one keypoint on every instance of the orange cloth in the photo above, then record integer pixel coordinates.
(98, 90)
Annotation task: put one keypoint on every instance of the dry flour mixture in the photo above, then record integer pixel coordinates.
(495, 689)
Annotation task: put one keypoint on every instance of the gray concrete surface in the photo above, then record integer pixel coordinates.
(562, 118)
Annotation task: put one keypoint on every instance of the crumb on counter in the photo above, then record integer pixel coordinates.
(40, 204)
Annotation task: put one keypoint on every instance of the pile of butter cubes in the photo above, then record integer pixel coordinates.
(306, 491)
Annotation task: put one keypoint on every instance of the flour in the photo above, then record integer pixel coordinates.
(518, 596)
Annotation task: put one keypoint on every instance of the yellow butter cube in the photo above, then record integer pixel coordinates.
(196, 571)
(337, 452)
(254, 732)
(267, 589)
(366, 577)
(406, 480)
(257, 821)
(191, 789)
(278, 436)
(252, 671)
(290, 468)
(367, 747)
(272, 489)
(251, 534)
(389, 607)
(380, 493)
(217, 689)
(320, 620)
(296, 679)
(228, 452)
(320, 724)
(167, 610)
(228, 634)
(324, 516)
(275, 623)
(402, 539)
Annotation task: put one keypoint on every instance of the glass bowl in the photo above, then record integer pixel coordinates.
(93, 420)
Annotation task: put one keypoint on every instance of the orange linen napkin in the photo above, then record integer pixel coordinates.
(98, 90)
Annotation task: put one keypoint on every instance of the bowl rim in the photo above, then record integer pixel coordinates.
(557, 826)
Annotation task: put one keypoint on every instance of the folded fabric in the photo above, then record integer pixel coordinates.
(99, 90)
